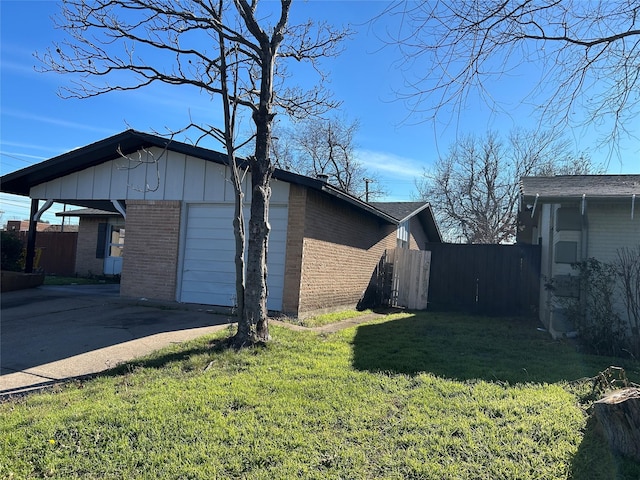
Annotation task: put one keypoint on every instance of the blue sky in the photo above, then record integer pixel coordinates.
(36, 124)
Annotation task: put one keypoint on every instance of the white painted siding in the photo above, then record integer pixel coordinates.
(208, 268)
(157, 176)
(610, 228)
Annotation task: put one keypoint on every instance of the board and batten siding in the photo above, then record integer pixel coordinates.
(159, 175)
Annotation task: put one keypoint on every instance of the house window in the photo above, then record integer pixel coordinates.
(403, 234)
(116, 241)
(566, 252)
(568, 219)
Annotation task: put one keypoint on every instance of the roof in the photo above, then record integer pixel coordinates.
(127, 142)
(402, 211)
(564, 187)
(130, 141)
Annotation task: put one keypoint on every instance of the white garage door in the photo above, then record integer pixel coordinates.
(208, 269)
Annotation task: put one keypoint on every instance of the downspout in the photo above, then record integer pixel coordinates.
(548, 296)
(584, 247)
(120, 208)
(633, 204)
(584, 240)
(34, 217)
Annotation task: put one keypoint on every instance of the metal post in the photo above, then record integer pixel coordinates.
(31, 238)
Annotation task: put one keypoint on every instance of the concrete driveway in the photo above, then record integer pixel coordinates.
(51, 334)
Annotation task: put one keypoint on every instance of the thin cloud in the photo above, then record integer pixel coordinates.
(30, 146)
(55, 121)
(21, 156)
(389, 164)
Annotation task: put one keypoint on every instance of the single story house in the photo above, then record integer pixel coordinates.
(574, 218)
(175, 203)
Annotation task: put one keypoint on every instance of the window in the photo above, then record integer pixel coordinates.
(403, 234)
(566, 252)
(116, 241)
(568, 219)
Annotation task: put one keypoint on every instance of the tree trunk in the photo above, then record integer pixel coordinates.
(254, 325)
(619, 415)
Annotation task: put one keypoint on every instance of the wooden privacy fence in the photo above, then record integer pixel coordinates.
(56, 251)
(486, 279)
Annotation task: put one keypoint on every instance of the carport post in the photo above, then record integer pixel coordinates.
(31, 238)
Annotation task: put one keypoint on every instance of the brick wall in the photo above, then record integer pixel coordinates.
(86, 261)
(151, 249)
(342, 247)
(295, 239)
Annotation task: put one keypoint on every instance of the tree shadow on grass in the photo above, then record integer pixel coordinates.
(465, 347)
(167, 356)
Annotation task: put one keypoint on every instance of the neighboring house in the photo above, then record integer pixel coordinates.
(100, 243)
(23, 226)
(573, 218)
(176, 201)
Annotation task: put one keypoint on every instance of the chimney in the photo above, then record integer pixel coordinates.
(323, 177)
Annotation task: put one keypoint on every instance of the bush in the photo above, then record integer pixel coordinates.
(11, 251)
(601, 326)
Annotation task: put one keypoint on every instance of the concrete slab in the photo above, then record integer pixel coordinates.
(53, 333)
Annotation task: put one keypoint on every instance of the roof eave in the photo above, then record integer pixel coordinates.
(576, 198)
(331, 190)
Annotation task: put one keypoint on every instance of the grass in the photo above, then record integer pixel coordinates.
(427, 396)
(94, 280)
(329, 318)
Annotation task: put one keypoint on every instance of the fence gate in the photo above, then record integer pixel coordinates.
(486, 279)
(410, 277)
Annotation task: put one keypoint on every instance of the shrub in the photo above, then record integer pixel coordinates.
(603, 328)
(593, 314)
(11, 251)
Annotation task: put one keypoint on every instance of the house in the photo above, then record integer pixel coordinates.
(175, 203)
(574, 218)
(100, 242)
(23, 226)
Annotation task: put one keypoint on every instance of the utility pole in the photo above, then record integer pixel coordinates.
(366, 188)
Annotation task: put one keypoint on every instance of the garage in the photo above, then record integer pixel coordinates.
(208, 269)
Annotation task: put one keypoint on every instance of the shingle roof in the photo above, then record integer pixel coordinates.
(576, 186)
(400, 210)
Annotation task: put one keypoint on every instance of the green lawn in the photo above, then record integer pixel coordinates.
(94, 280)
(429, 396)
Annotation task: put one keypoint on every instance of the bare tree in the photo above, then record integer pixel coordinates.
(474, 188)
(232, 51)
(326, 146)
(587, 54)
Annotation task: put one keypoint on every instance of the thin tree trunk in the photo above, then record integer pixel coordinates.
(229, 133)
